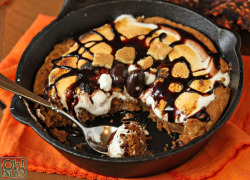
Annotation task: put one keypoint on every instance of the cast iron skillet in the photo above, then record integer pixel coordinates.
(77, 17)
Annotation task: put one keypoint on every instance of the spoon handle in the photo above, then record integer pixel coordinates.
(11, 86)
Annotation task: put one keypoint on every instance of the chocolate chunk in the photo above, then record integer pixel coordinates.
(119, 75)
(146, 62)
(135, 83)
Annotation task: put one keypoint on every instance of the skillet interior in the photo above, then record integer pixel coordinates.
(86, 18)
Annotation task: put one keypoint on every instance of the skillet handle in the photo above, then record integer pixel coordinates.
(73, 5)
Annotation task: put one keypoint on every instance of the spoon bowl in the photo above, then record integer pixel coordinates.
(99, 137)
(96, 137)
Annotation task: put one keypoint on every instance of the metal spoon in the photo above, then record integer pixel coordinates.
(96, 137)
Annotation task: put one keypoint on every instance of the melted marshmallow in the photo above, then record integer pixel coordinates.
(149, 100)
(133, 20)
(105, 82)
(131, 68)
(203, 101)
(115, 148)
(149, 78)
(100, 104)
(225, 78)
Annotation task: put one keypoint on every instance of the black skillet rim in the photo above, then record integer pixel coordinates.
(157, 156)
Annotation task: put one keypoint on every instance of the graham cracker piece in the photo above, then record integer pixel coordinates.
(180, 70)
(103, 60)
(175, 87)
(159, 50)
(146, 62)
(125, 55)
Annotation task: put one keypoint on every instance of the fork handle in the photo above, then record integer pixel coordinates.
(11, 86)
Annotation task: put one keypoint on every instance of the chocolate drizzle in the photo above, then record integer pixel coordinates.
(186, 35)
(160, 90)
(201, 115)
(116, 43)
(119, 73)
(87, 76)
(135, 83)
(161, 36)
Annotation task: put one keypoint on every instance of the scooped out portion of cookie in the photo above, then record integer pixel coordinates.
(128, 141)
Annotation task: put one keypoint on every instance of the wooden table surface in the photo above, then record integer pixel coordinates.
(15, 18)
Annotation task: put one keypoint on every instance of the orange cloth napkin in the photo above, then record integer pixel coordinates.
(227, 154)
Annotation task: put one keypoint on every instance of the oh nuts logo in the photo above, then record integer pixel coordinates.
(13, 168)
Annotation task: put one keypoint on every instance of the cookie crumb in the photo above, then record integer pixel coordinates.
(127, 116)
(61, 135)
(79, 146)
(149, 138)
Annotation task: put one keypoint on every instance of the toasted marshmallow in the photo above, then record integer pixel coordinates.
(189, 108)
(158, 39)
(101, 102)
(208, 84)
(115, 148)
(190, 55)
(129, 27)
